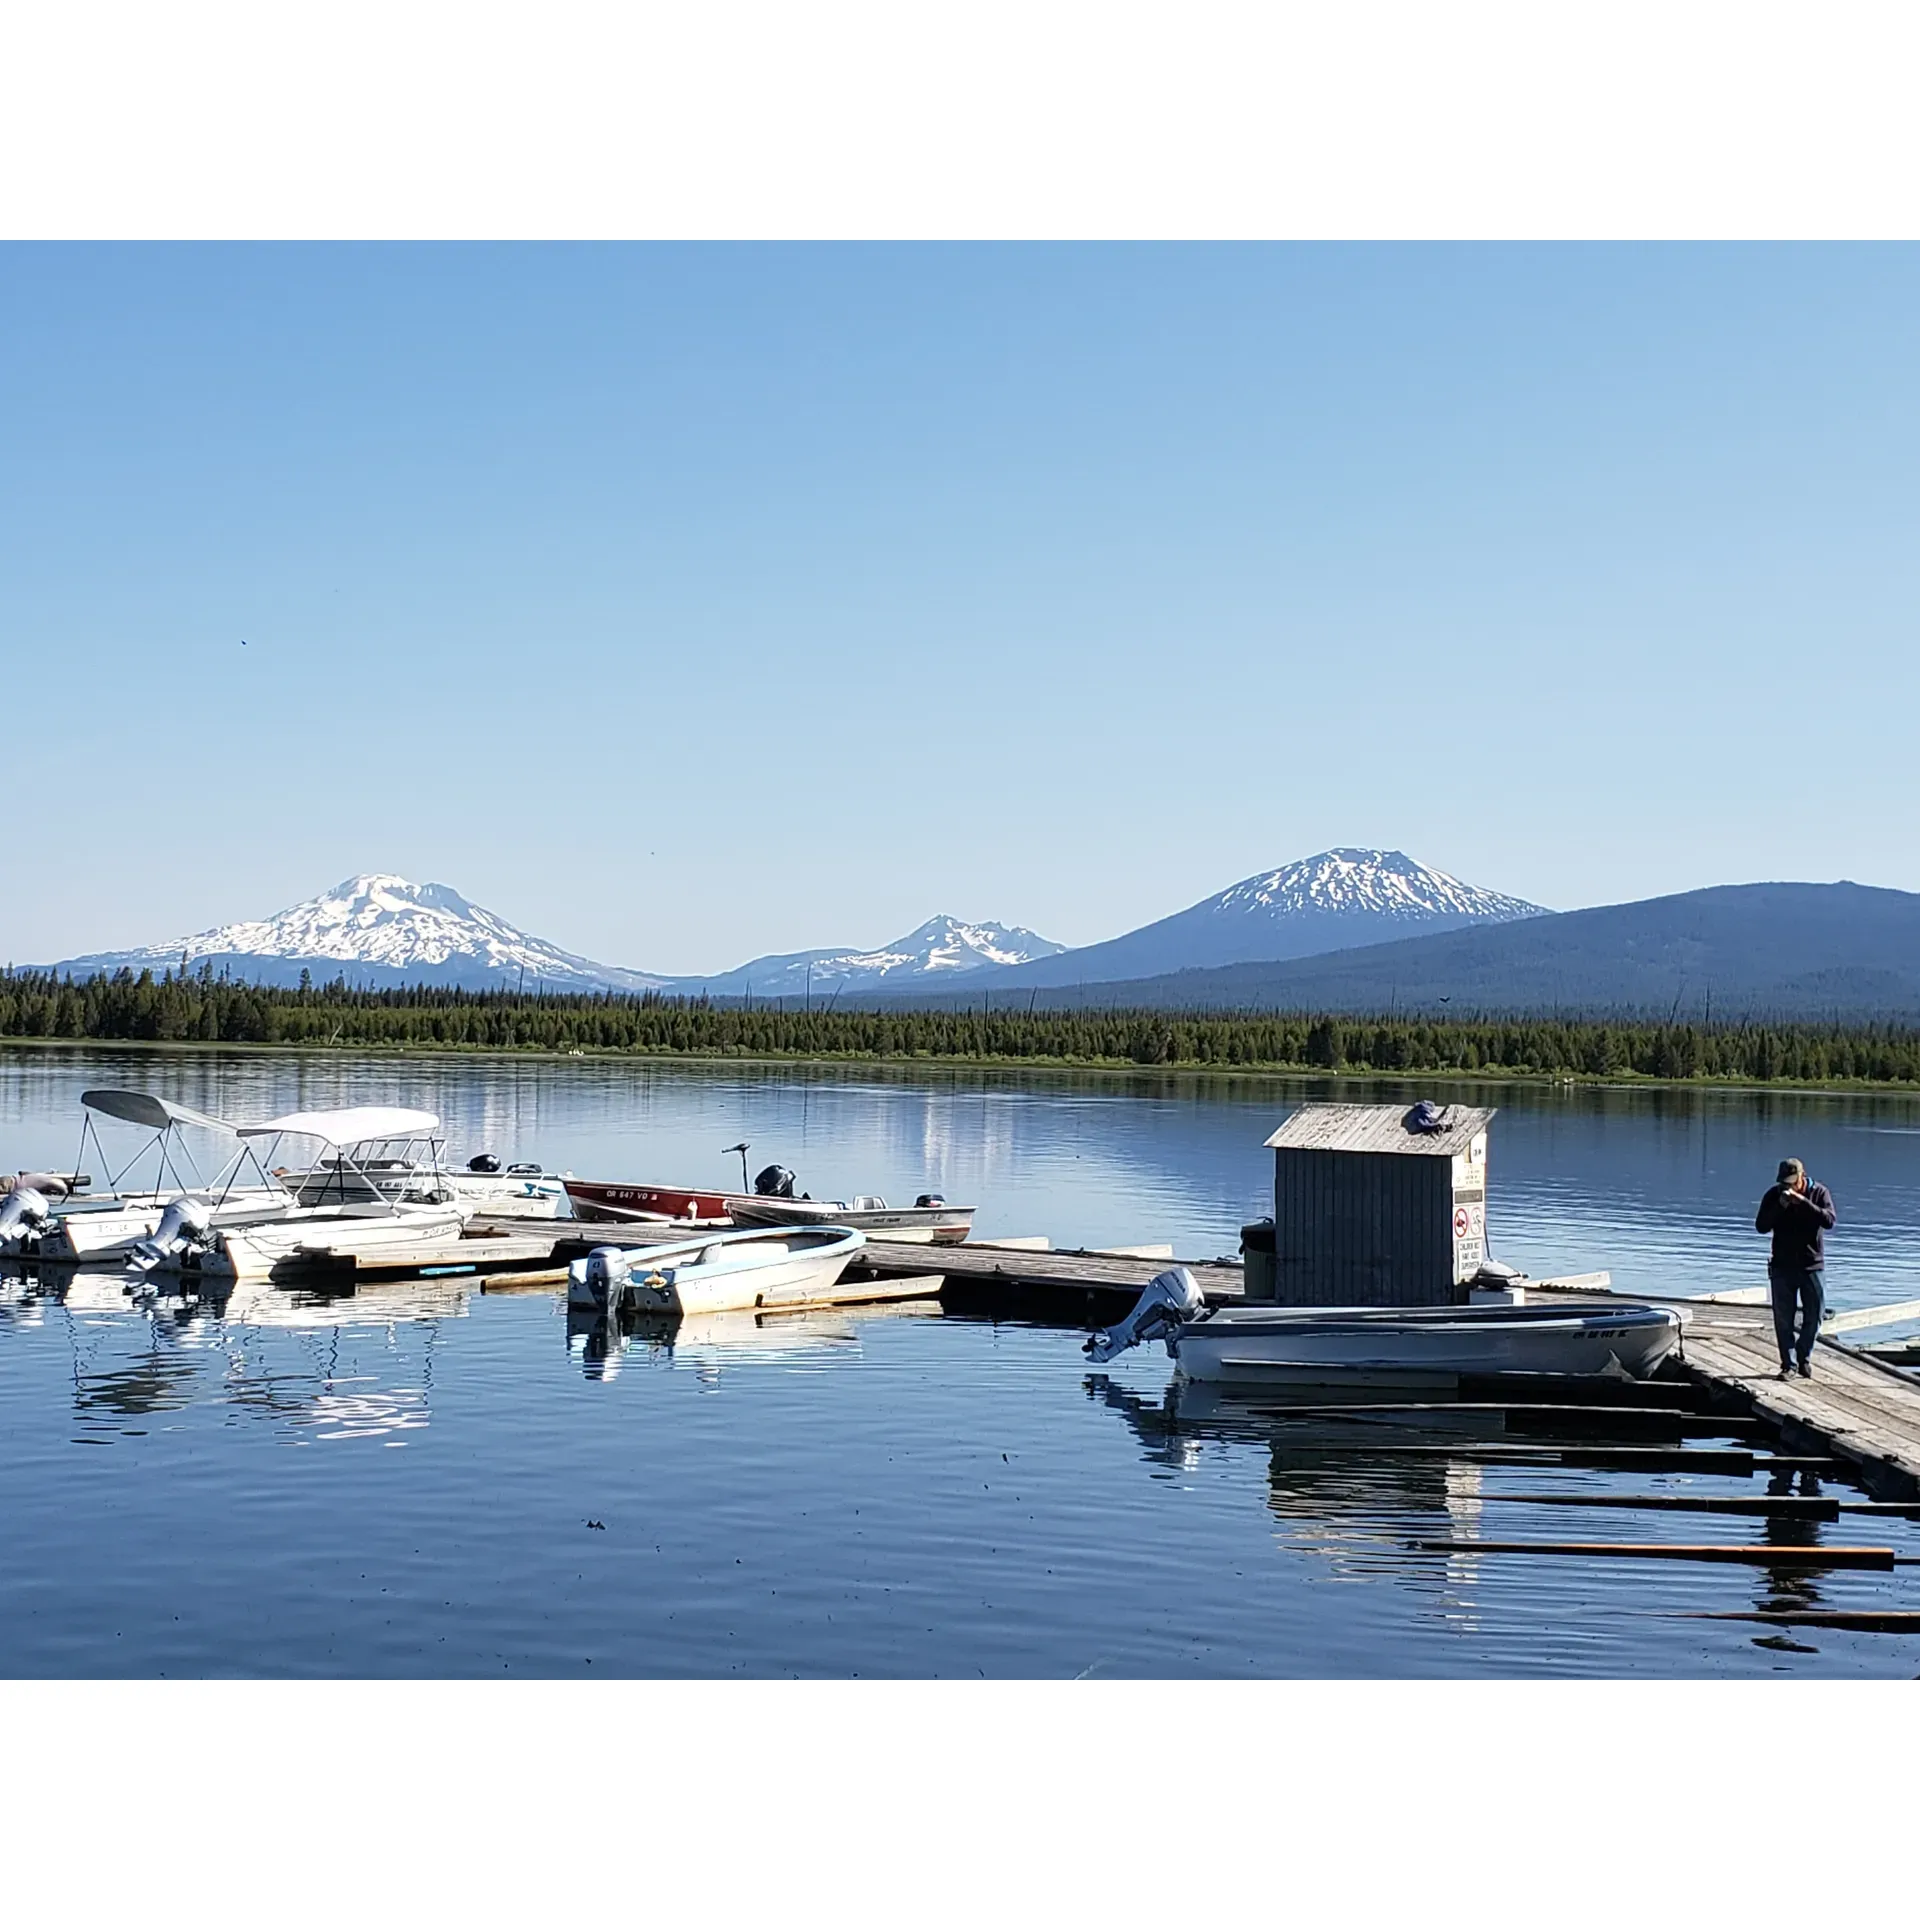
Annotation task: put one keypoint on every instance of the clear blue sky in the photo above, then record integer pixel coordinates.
(683, 604)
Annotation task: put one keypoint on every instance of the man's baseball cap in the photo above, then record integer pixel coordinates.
(1790, 1170)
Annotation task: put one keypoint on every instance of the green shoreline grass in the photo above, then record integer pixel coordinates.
(1495, 1076)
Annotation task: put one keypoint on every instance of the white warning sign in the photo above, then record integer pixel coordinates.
(1469, 1238)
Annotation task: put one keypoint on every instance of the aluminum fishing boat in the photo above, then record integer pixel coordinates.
(930, 1220)
(636, 1200)
(715, 1273)
(1258, 1342)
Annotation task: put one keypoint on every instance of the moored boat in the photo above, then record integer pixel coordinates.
(930, 1220)
(1257, 1342)
(615, 1200)
(714, 1273)
(107, 1223)
(376, 1208)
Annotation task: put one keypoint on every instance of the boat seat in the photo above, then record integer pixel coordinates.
(868, 1203)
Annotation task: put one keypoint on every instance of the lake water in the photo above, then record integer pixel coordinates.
(405, 1482)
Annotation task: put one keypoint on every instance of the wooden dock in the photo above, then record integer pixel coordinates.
(1857, 1410)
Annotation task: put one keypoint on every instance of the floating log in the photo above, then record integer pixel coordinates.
(1782, 1505)
(1871, 1559)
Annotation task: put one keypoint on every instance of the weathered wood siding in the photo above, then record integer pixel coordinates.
(1362, 1229)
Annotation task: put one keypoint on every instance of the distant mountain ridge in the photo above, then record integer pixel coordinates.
(1801, 950)
(378, 930)
(1346, 897)
(935, 951)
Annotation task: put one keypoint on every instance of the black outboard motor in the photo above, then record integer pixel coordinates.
(484, 1163)
(930, 1200)
(774, 1183)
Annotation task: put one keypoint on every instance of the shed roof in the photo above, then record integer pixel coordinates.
(1354, 1129)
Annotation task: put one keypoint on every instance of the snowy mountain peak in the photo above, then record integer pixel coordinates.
(377, 928)
(1366, 880)
(936, 948)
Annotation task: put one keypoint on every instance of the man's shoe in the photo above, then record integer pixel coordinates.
(1806, 1369)
(1785, 1373)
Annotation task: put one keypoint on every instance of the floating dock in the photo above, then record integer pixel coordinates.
(1858, 1410)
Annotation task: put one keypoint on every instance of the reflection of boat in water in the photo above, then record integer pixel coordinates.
(710, 1341)
(1249, 1342)
(716, 1273)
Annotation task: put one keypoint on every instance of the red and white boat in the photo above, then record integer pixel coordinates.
(635, 1200)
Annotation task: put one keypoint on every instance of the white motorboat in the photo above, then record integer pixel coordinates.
(412, 1212)
(1272, 1343)
(716, 1273)
(929, 1220)
(412, 1170)
(106, 1224)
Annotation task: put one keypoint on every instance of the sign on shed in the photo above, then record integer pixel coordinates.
(1379, 1206)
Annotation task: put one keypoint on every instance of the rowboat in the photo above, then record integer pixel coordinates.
(1276, 1343)
(715, 1273)
(929, 1220)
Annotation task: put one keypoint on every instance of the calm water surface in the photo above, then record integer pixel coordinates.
(403, 1483)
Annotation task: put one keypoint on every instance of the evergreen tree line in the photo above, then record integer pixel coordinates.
(205, 1007)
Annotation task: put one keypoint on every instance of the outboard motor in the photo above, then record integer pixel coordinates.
(484, 1163)
(774, 1183)
(22, 1216)
(930, 1200)
(598, 1281)
(186, 1223)
(1167, 1302)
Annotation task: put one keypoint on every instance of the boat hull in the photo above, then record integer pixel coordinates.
(318, 1236)
(1276, 1343)
(726, 1272)
(922, 1226)
(612, 1200)
(111, 1233)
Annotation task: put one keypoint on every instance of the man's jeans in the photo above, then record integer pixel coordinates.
(1788, 1286)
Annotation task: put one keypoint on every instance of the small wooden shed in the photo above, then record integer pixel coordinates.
(1371, 1209)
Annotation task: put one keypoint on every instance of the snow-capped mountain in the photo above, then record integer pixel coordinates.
(1346, 897)
(378, 930)
(931, 954)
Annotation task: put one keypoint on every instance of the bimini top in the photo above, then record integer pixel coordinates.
(149, 1110)
(349, 1126)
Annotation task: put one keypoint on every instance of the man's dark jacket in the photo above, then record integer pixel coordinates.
(1796, 1223)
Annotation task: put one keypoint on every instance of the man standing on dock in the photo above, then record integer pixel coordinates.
(1797, 1212)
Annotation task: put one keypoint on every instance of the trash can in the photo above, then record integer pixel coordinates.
(1256, 1260)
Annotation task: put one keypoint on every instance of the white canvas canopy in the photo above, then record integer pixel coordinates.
(149, 1110)
(344, 1127)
